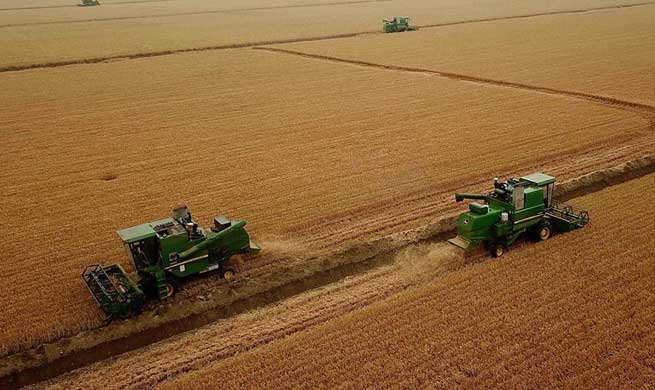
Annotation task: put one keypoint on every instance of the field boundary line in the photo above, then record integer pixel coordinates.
(641, 108)
(192, 13)
(98, 60)
(130, 56)
(31, 366)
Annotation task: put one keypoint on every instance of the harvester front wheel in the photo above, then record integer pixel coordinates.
(170, 290)
(497, 250)
(544, 232)
(229, 274)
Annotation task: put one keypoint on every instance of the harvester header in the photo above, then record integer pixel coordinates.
(514, 207)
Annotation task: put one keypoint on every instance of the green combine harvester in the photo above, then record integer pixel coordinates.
(89, 3)
(397, 24)
(513, 208)
(163, 253)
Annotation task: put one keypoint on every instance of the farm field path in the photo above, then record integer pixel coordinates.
(434, 319)
(27, 46)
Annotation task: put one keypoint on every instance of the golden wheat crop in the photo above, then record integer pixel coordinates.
(309, 151)
(22, 44)
(607, 52)
(64, 12)
(576, 311)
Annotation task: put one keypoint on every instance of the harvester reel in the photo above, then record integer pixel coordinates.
(584, 218)
(568, 210)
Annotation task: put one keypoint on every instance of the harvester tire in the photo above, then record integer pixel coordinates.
(497, 250)
(544, 232)
(229, 274)
(170, 290)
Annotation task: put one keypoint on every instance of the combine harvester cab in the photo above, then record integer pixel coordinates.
(512, 209)
(397, 24)
(163, 253)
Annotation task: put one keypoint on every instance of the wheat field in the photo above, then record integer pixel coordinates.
(576, 311)
(112, 145)
(546, 315)
(326, 135)
(45, 36)
(604, 53)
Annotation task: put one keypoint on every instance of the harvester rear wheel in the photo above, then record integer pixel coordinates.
(544, 232)
(497, 250)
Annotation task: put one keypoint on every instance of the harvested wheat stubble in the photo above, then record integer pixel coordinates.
(607, 52)
(213, 130)
(31, 45)
(577, 311)
(155, 364)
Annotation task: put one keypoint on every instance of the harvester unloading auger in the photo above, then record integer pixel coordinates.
(164, 252)
(513, 208)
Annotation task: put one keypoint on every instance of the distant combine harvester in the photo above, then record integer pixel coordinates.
(397, 24)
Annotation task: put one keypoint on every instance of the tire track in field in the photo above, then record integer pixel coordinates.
(219, 11)
(640, 108)
(95, 60)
